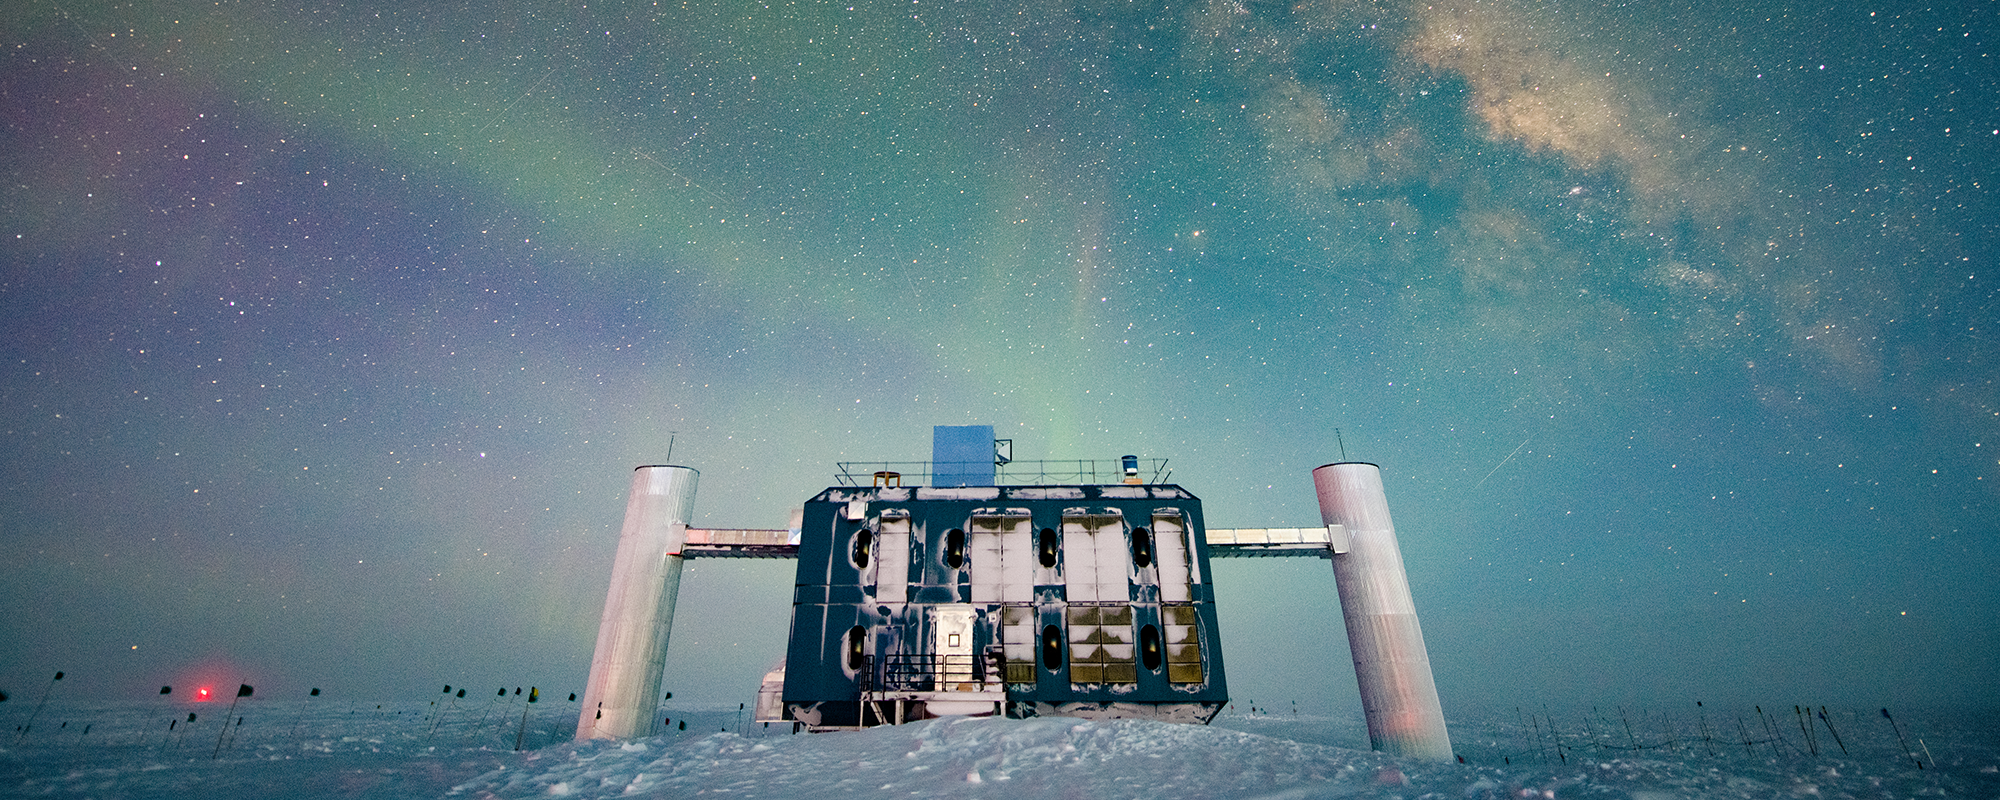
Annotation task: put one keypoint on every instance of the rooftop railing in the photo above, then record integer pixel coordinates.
(1053, 472)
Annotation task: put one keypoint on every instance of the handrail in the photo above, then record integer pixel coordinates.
(923, 672)
(1047, 472)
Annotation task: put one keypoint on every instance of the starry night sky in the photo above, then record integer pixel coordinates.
(332, 331)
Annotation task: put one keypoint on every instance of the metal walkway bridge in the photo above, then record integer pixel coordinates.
(1318, 542)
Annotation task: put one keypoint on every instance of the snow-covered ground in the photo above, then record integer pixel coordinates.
(335, 749)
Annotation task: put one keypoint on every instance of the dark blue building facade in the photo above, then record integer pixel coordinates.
(915, 602)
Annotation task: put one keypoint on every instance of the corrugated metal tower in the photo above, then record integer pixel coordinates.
(624, 689)
(1398, 694)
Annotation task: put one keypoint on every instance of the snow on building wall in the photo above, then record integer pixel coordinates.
(1010, 600)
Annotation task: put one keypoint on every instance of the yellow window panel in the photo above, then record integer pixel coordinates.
(1084, 654)
(1102, 636)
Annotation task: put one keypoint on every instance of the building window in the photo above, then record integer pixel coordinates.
(954, 548)
(1149, 648)
(1000, 558)
(1183, 634)
(1047, 544)
(1017, 642)
(863, 543)
(1171, 558)
(1052, 648)
(1142, 548)
(1096, 558)
(1100, 645)
(857, 642)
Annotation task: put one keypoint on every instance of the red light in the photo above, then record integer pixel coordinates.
(201, 695)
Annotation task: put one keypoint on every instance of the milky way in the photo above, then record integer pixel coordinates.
(332, 333)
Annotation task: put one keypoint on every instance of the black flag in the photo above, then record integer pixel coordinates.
(244, 690)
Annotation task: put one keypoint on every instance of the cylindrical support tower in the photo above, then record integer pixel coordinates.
(1398, 694)
(624, 689)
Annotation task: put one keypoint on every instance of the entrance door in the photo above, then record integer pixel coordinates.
(951, 647)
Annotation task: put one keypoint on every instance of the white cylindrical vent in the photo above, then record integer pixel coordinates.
(624, 689)
(1398, 694)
